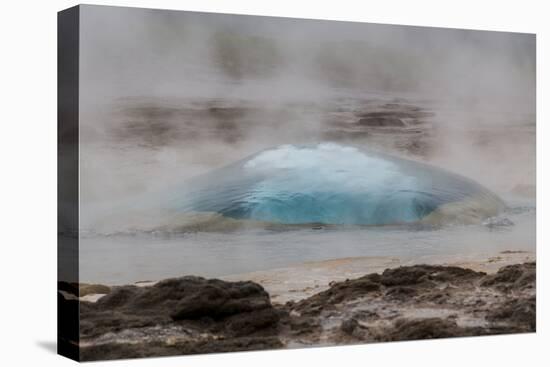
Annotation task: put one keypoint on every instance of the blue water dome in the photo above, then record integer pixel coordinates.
(329, 183)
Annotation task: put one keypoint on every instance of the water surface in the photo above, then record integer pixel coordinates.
(125, 258)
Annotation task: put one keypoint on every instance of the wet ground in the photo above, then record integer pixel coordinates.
(195, 315)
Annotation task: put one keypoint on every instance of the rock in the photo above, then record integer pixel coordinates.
(338, 293)
(436, 296)
(381, 121)
(188, 298)
(217, 299)
(248, 323)
(304, 325)
(349, 326)
(120, 297)
(522, 312)
(428, 328)
(399, 281)
(160, 349)
(213, 307)
(513, 252)
(401, 293)
(195, 315)
(411, 275)
(406, 303)
(510, 277)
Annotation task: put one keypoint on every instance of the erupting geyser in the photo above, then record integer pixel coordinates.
(333, 184)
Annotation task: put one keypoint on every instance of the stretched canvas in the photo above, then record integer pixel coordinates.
(233, 182)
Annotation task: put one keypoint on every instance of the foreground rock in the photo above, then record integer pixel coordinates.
(178, 316)
(195, 315)
(417, 302)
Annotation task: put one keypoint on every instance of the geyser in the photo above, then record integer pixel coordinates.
(333, 184)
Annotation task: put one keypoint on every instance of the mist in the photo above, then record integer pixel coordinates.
(167, 95)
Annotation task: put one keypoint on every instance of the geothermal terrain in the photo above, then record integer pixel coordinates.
(153, 289)
(190, 314)
(168, 97)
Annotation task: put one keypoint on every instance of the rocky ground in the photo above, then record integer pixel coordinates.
(191, 315)
(393, 123)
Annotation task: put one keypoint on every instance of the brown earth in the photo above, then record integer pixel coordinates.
(191, 315)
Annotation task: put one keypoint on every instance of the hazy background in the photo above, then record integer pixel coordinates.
(166, 95)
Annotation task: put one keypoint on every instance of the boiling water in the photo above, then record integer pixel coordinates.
(242, 216)
(333, 184)
(127, 258)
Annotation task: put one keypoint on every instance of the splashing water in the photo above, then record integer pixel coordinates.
(333, 184)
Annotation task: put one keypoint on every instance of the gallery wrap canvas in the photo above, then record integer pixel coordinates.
(234, 183)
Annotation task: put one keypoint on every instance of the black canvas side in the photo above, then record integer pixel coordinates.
(67, 182)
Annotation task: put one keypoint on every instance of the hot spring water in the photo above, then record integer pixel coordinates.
(266, 211)
(334, 184)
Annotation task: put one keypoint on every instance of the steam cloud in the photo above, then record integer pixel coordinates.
(169, 95)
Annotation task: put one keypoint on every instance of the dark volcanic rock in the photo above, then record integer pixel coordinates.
(401, 293)
(402, 284)
(189, 298)
(517, 276)
(420, 302)
(393, 115)
(339, 292)
(381, 121)
(248, 323)
(216, 298)
(427, 328)
(120, 297)
(304, 325)
(195, 315)
(200, 306)
(349, 326)
(161, 349)
(410, 275)
(522, 312)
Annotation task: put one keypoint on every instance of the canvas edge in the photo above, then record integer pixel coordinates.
(68, 42)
